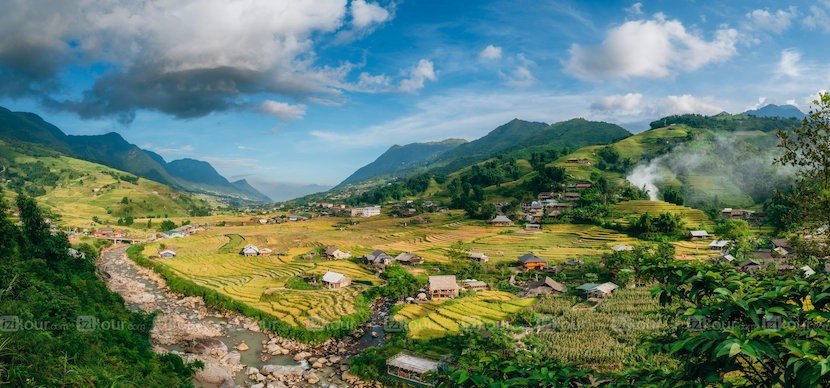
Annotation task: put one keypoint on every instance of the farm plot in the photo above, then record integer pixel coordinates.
(311, 308)
(348, 268)
(439, 318)
(694, 218)
(604, 337)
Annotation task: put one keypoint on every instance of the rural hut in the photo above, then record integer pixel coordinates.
(167, 254)
(379, 258)
(543, 287)
(478, 256)
(408, 258)
(250, 250)
(698, 234)
(531, 261)
(334, 280)
(408, 367)
(442, 287)
(501, 221)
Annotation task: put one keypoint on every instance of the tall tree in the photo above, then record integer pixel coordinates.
(807, 149)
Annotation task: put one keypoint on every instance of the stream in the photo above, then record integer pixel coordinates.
(186, 326)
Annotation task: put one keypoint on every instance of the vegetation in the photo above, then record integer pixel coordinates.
(45, 292)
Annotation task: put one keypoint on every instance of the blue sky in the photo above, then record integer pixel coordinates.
(306, 92)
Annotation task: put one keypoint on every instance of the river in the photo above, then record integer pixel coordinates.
(185, 323)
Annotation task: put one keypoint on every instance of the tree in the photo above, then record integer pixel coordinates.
(732, 229)
(671, 195)
(808, 150)
(125, 200)
(166, 225)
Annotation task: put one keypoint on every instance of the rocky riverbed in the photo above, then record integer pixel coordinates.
(236, 353)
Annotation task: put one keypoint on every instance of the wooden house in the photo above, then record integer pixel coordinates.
(718, 245)
(698, 234)
(544, 287)
(442, 287)
(599, 291)
(408, 258)
(474, 285)
(622, 247)
(531, 261)
(167, 254)
(333, 253)
(334, 280)
(478, 256)
(265, 252)
(749, 266)
(250, 250)
(501, 221)
(379, 258)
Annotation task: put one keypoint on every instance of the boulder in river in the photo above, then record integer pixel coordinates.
(213, 374)
(242, 347)
(207, 346)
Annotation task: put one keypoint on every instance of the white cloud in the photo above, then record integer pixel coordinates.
(635, 9)
(183, 150)
(521, 76)
(789, 63)
(372, 82)
(365, 14)
(649, 48)
(490, 53)
(222, 164)
(282, 111)
(777, 22)
(818, 18)
(417, 75)
(618, 102)
(678, 105)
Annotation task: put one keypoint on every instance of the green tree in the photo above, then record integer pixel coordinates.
(807, 149)
(125, 200)
(732, 229)
(166, 225)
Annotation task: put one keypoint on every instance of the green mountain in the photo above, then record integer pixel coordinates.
(399, 158)
(772, 110)
(113, 151)
(520, 138)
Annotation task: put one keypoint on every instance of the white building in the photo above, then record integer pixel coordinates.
(369, 211)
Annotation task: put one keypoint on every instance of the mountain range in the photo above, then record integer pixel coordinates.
(113, 151)
(517, 139)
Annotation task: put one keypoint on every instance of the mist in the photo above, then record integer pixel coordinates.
(716, 165)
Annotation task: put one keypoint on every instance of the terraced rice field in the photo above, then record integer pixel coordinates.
(695, 219)
(556, 244)
(348, 268)
(438, 318)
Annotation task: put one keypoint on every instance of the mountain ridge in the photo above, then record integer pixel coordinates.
(403, 157)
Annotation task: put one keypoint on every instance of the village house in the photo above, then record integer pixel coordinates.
(622, 247)
(573, 263)
(76, 253)
(749, 266)
(379, 258)
(408, 367)
(265, 252)
(408, 258)
(582, 186)
(544, 287)
(599, 291)
(718, 245)
(781, 243)
(531, 261)
(442, 287)
(478, 256)
(807, 270)
(167, 254)
(334, 280)
(501, 221)
(544, 196)
(727, 259)
(474, 285)
(571, 196)
(333, 253)
(250, 250)
(533, 227)
(557, 208)
(698, 234)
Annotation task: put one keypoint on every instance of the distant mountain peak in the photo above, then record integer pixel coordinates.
(772, 110)
(398, 158)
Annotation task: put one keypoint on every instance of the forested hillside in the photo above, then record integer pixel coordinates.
(43, 292)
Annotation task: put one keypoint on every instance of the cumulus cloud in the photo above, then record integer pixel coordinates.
(789, 64)
(649, 48)
(618, 102)
(521, 76)
(365, 14)
(180, 57)
(490, 53)
(775, 22)
(417, 75)
(678, 105)
(635, 9)
(282, 111)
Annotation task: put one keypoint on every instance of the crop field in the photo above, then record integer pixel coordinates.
(694, 218)
(438, 318)
(557, 243)
(604, 337)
